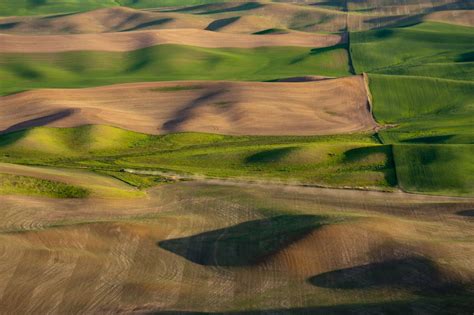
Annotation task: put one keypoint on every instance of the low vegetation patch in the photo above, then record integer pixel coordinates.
(435, 169)
(321, 160)
(25, 185)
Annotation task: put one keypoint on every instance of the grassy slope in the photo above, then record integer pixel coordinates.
(435, 169)
(425, 109)
(434, 133)
(32, 7)
(167, 62)
(352, 160)
(426, 49)
(422, 86)
(25, 185)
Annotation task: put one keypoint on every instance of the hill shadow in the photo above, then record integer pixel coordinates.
(7, 26)
(414, 273)
(244, 244)
(40, 121)
(269, 156)
(466, 213)
(357, 155)
(429, 139)
(219, 8)
(149, 24)
(218, 24)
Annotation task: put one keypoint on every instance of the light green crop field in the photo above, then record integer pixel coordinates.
(425, 49)
(425, 110)
(436, 168)
(167, 62)
(25, 185)
(32, 7)
(349, 160)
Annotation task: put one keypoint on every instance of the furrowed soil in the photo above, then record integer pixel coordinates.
(236, 108)
(127, 41)
(194, 247)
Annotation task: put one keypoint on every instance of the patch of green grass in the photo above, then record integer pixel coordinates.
(425, 109)
(167, 62)
(25, 185)
(32, 7)
(426, 49)
(89, 139)
(325, 160)
(435, 169)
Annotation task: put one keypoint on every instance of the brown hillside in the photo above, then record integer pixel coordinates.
(301, 108)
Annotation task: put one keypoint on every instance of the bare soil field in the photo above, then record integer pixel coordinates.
(461, 17)
(236, 108)
(128, 41)
(192, 246)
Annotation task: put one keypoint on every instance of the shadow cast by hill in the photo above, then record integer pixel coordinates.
(270, 156)
(40, 121)
(418, 274)
(246, 243)
(466, 213)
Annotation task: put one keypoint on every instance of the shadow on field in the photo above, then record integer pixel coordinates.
(246, 243)
(414, 273)
(7, 26)
(148, 24)
(40, 121)
(466, 213)
(366, 155)
(430, 139)
(218, 24)
(223, 7)
(269, 156)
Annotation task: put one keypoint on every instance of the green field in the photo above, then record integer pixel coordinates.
(424, 109)
(357, 160)
(423, 93)
(32, 7)
(349, 160)
(25, 185)
(167, 62)
(435, 169)
(425, 49)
